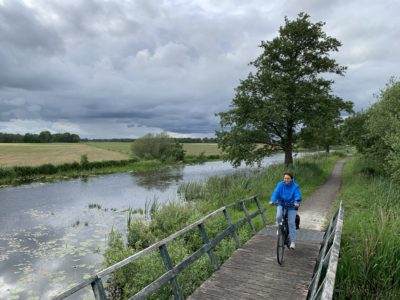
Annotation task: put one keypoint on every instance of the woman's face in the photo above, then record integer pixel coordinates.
(287, 179)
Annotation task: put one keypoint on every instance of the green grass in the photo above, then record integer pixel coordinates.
(197, 148)
(20, 175)
(369, 264)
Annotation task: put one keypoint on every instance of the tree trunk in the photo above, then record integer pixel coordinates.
(289, 144)
(327, 148)
(288, 156)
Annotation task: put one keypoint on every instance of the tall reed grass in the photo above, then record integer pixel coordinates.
(369, 265)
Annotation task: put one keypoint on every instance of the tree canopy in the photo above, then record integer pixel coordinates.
(287, 91)
(376, 132)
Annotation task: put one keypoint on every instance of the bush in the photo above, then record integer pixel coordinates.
(7, 172)
(46, 169)
(84, 160)
(158, 146)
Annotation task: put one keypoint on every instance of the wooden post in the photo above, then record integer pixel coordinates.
(234, 235)
(168, 264)
(261, 212)
(246, 213)
(98, 289)
(210, 253)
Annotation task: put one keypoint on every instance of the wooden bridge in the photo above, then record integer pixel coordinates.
(252, 272)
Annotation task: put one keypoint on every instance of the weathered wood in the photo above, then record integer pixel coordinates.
(168, 265)
(98, 289)
(180, 267)
(331, 272)
(260, 210)
(210, 252)
(246, 213)
(234, 234)
(252, 272)
(74, 289)
(327, 260)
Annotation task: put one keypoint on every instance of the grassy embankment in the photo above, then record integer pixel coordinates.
(202, 198)
(20, 163)
(369, 265)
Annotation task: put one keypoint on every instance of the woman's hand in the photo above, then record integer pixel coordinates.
(272, 203)
(296, 205)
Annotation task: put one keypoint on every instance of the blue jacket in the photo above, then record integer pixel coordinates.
(287, 193)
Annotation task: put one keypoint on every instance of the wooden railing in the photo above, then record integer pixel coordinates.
(323, 281)
(172, 271)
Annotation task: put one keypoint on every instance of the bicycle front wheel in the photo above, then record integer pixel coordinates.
(280, 246)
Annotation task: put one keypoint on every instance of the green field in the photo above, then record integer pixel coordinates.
(190, 148)
(20, 154)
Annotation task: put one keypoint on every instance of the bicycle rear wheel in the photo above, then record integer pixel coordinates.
(280, 246)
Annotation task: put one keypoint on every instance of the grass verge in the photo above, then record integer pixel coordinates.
(369, 264)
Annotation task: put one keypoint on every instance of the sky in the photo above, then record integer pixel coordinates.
(121, 69)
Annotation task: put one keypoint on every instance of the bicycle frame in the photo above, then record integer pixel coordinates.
(283, 234)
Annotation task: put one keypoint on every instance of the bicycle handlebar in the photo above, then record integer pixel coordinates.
(282, 203)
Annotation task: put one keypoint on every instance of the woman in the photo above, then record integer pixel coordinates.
(285, 192)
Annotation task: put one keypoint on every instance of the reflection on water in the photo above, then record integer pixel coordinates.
(52, 235)
(160, 179)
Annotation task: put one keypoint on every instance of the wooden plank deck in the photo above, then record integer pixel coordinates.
(252, 272)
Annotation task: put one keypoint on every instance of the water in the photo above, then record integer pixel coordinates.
(51, 239)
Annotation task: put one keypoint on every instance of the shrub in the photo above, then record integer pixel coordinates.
(158, 146)
(46, 169)
(84, 160)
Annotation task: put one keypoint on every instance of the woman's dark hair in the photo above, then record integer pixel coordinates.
(289, 174)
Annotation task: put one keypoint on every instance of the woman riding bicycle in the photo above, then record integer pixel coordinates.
(286, 193)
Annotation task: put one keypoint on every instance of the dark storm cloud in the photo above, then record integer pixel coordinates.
(124, 68)
(23, 31)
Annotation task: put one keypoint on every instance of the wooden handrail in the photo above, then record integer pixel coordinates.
(172, 271)
(323, 281)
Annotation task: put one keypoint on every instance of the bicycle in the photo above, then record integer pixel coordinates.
(283, 233)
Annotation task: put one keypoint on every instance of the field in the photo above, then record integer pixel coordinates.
(37, 154)
(122, 147)
(191, 149)
(196, 149)
(20, 154)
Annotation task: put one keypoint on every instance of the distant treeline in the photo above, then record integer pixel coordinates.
(179, 140)
(43, 137)
(47, 137)
(107, 140)
(196, 140)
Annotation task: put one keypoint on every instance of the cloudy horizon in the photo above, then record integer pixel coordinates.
(121, 69)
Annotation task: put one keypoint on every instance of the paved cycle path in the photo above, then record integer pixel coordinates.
(252, 272)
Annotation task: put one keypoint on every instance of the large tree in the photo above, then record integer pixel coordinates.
(287, 91)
